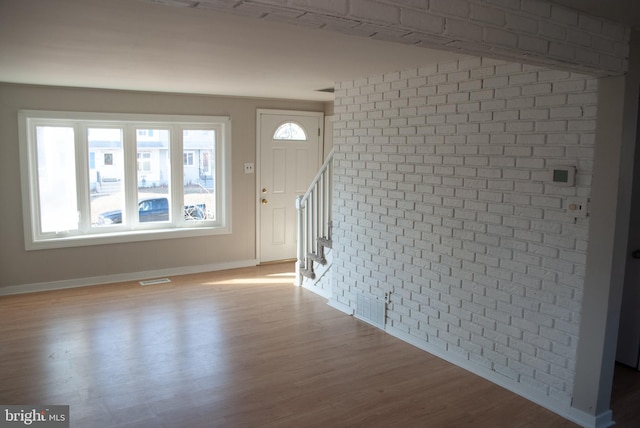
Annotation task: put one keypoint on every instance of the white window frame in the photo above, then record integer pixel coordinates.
(133, 230)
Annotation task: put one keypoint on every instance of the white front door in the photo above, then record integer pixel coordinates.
(289, 147)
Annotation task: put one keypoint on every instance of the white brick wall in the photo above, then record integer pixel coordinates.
(442, 201)
(542, 32)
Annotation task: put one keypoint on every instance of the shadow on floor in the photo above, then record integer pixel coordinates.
(625, 397)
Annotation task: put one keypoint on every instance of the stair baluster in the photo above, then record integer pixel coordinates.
(314, 221)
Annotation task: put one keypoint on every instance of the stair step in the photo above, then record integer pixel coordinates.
(308, 273)
(318, 258)
(327, 243)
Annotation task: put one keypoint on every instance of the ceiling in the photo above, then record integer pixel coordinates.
(135, 45)
(124, 44)
(624, 11)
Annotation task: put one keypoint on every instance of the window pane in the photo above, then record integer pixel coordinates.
(106, 176)
(57, 195)
(154, 175)
(199, 174)
(290, 131)
(187, 158)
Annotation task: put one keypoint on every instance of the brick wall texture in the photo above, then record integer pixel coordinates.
(539, 31)
(443, 200)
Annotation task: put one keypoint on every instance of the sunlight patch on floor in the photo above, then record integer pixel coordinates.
(253, 281)
(285, 274)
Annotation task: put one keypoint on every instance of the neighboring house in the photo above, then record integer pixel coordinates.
(198, 165)
(106, 159)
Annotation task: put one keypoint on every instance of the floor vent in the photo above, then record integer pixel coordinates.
(155, 281)
(371, 309)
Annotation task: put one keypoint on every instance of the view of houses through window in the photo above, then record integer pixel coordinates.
(93, 177)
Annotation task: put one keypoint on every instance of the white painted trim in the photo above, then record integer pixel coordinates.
(257, 170)
(123, 277)
(327, 142)
(581, 418)
(127, 236)
(304, 113)
(340, 306)
(604, 420)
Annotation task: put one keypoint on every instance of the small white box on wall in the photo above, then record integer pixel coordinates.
(563, 175)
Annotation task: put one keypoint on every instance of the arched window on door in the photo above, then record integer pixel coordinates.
(290, 131)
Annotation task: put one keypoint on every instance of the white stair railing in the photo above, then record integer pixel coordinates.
(314, 221)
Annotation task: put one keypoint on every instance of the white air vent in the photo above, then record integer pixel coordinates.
(155, 281)
(371, 309)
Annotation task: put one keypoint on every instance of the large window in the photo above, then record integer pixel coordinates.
(92, 178)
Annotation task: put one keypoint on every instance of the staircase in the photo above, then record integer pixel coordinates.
(314, 232)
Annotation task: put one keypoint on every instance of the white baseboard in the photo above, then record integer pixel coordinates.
(123, 277)
(581, 418)
(604, 420)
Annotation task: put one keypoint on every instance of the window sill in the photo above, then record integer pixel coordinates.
(125, 237)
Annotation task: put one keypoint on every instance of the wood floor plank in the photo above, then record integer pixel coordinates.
(239, 348)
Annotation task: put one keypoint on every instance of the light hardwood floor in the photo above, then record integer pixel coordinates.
(239, 348)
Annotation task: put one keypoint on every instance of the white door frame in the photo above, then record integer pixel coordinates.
(258, 171)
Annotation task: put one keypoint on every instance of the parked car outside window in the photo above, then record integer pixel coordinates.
(155, 209)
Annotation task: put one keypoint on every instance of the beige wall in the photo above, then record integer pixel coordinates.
(18, 267)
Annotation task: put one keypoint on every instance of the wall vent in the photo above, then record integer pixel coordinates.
(155, 281)
(371, 309)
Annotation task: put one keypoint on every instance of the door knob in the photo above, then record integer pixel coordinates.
(636, 254)
(264, 201)
(264, 190)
